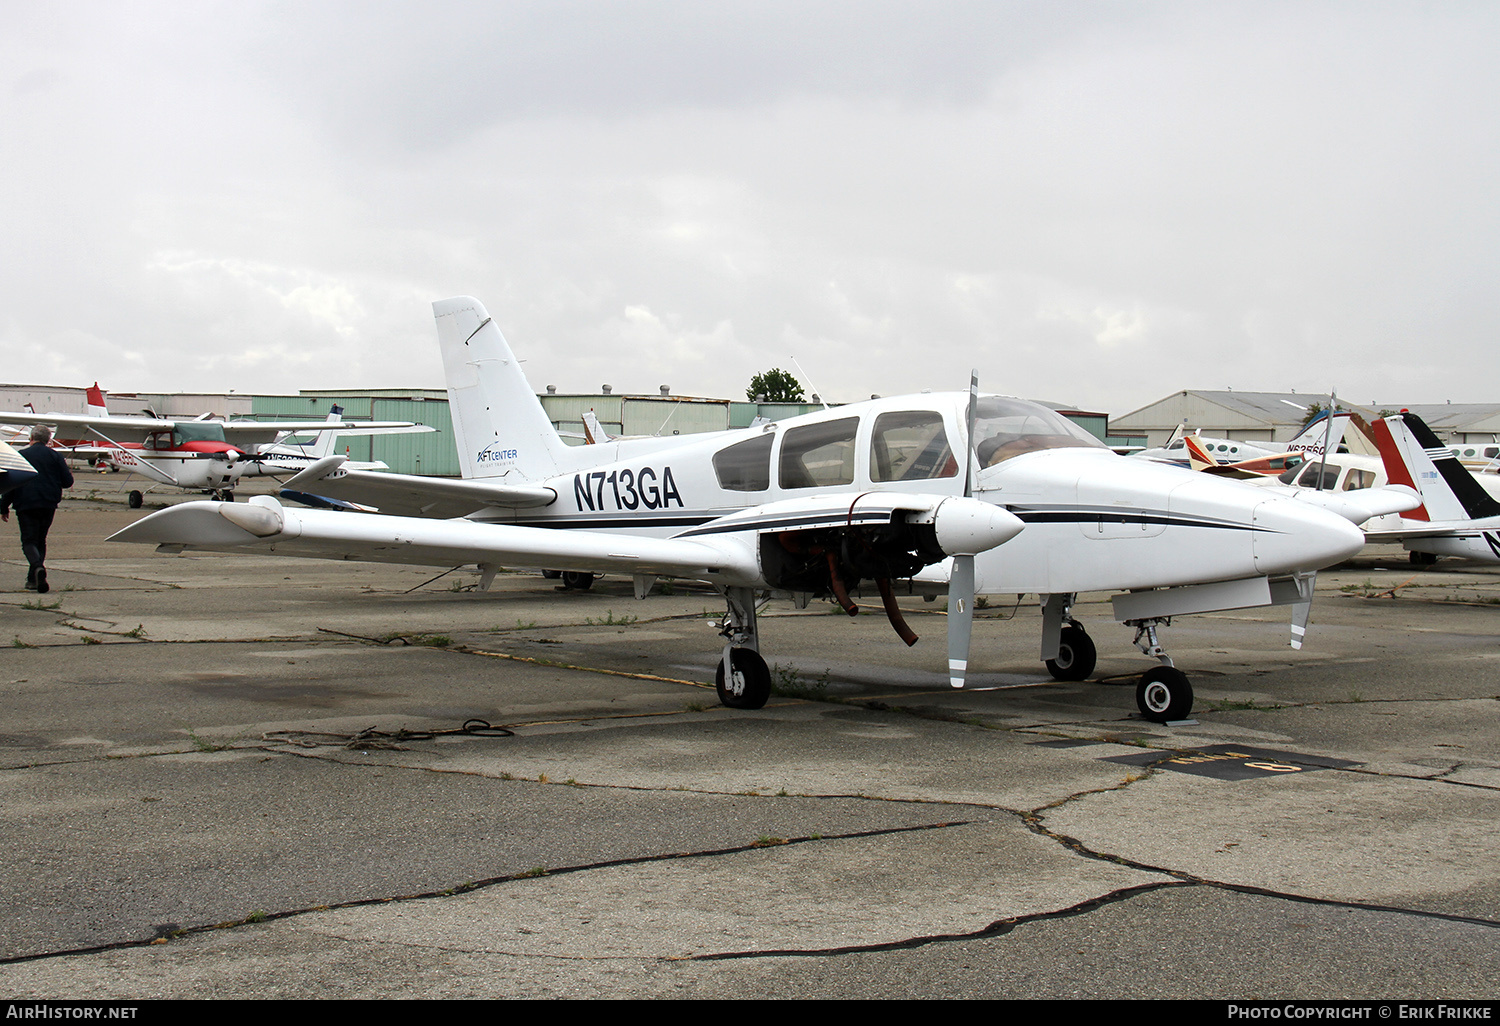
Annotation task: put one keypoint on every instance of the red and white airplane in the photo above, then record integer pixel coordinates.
(957, 493)
(202, 454)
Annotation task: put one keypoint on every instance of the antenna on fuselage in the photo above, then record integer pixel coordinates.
(817, 393)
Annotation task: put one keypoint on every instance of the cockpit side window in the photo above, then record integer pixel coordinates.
(1310, 476)
(1005, 427)
(197, 431)
(819, 455)
(745, 466)
(910, 446)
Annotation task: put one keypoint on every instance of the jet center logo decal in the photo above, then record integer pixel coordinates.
(494, 453)
(626, 489)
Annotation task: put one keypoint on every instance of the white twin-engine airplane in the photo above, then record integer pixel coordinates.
(948, 492)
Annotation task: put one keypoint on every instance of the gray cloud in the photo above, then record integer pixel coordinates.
(1093, 203)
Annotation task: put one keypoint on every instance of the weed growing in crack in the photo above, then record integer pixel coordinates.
(788, 680)
(609, 620)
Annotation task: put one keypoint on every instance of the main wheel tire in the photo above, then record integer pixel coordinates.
(133, 500)
(1076, 655)
(750, 683)
(578, 580)
(227, 495)
(551, 575)
(1164, 694)
(1423, 558)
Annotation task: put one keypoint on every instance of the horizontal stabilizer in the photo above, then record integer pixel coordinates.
(409, 495)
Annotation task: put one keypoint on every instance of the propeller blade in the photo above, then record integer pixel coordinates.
(960, 618)
(1302, 611)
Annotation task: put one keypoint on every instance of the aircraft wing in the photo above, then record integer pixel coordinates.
(724, 551)
(1361, 504)
(128, 429)
(14, 469)
(412, 496)
(249, 433)
(243, 433)
(262, 525)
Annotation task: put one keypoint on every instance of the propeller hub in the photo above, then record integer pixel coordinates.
(970, 526)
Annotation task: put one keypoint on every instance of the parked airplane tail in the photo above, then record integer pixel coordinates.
(1349, 434)
(593, 431)
(94, 404)
(498, 422)
(1413, 456)
(324, 442)
(1198, 457)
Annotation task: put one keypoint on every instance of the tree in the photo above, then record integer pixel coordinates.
(774, 386)
(1313, 409)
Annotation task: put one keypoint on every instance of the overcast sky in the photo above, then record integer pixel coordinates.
(1093, 203)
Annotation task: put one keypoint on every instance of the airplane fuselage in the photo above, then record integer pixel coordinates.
(1141, 524)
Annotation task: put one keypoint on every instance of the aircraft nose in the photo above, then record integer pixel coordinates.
(1292, 535)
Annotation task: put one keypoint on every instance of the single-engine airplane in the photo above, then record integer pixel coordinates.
(927, 493)
(195, 455)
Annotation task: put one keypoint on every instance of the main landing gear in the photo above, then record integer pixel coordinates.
(743, 680)
(1067, 648)
(134, 499)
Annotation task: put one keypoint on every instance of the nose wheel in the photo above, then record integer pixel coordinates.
(1164, 694)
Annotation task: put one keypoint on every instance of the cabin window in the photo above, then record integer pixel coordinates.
(1310, 477)
(745, 466)
(910, 446)
(158, 440)
(1359, 479)
(819, 455)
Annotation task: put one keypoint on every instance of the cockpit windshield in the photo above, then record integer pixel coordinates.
(1005, 427)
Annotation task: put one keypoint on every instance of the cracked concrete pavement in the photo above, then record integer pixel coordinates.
(179, 821)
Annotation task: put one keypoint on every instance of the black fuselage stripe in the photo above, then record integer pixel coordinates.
(1164, 519)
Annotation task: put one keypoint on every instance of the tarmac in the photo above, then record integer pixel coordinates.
(190, 811)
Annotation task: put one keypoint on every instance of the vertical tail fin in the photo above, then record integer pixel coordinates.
(1198, 457)
(324, 441)
(498, 422)
(1414, 457)
(94, 404)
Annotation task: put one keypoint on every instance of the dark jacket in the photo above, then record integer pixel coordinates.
(45, 490)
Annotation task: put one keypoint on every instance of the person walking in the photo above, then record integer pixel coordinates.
(36, 502)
